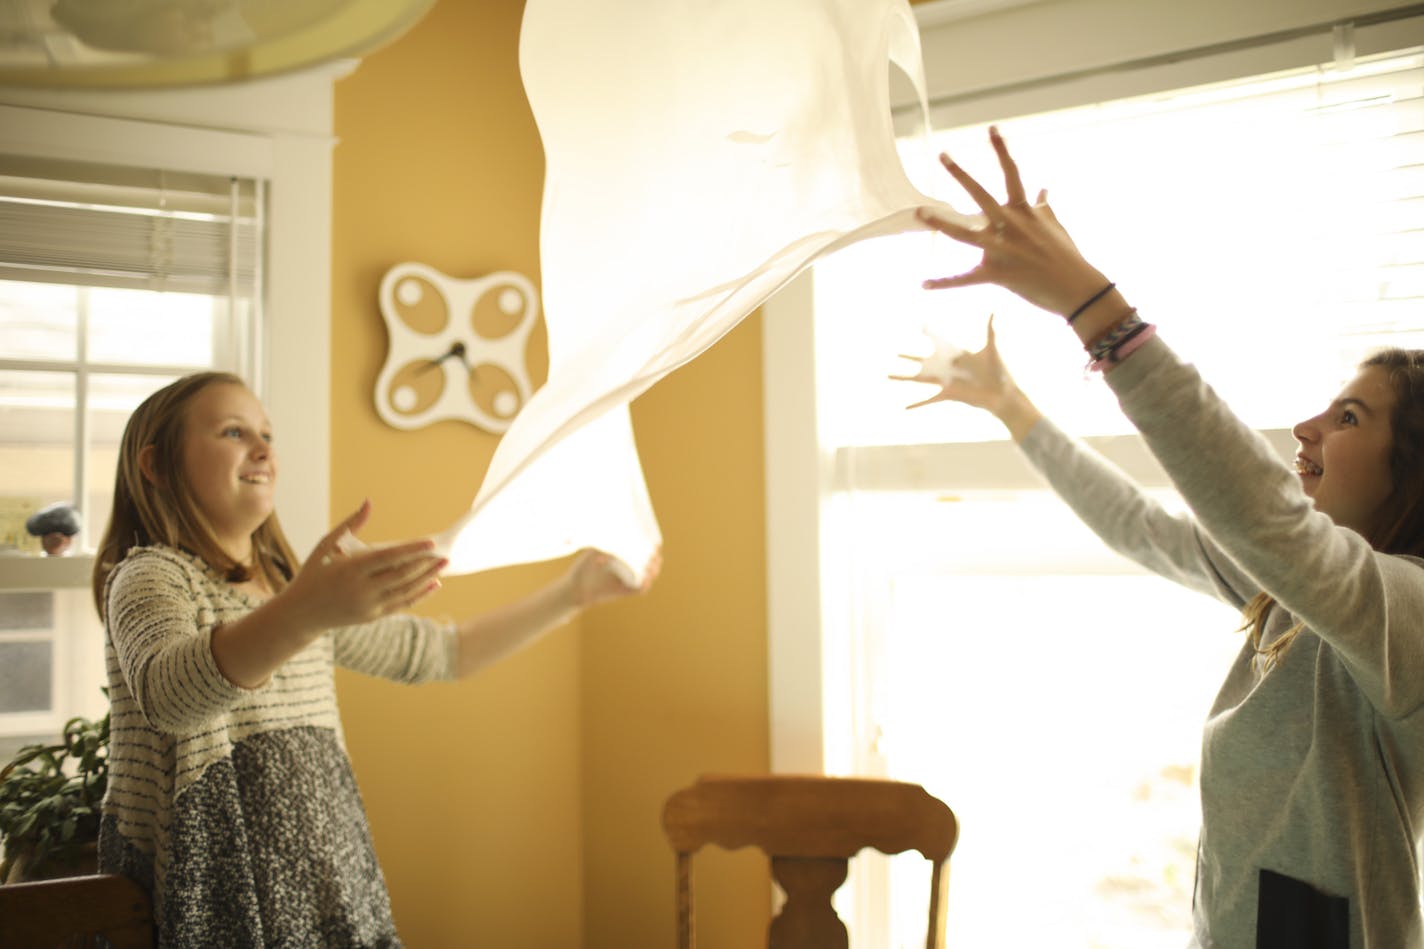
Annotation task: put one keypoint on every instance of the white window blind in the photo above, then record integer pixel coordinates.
(70, 222)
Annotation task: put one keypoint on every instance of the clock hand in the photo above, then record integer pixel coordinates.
(457, 348)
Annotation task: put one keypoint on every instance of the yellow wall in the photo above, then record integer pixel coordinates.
(522, 808)
(678, 686)
(472, 789)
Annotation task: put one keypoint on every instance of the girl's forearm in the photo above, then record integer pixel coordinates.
(248, 650)
(489, 637)
(1019, 414)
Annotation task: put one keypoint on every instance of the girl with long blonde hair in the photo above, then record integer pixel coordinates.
(231, 798)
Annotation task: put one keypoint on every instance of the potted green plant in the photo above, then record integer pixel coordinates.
(50, 800)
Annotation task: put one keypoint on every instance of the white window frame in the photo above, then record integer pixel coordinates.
(277, 130)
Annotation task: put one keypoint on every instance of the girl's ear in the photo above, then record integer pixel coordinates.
(147, 465)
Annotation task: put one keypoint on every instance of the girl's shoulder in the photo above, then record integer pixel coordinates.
(159, 560)
(172, 568)
(159, 552)
(1409, 559)
(1403, 579)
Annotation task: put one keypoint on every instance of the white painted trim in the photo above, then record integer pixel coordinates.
(1045, 55)
(31, 723)
(297, 345)
(1001, 92)
(116, 141)
(295, 104)
(793, 477)
(994, 466)
(27, 572)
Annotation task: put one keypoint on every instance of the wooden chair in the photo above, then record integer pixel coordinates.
(809, 826)
(76, 912)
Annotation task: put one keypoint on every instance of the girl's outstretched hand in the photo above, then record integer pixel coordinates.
(980, 379)
(596, 576)
(974, 378)
(345, 582)
(1025, 249)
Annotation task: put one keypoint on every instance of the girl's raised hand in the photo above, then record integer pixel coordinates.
(979, 379)
(1025, 249)
(345, 582)
(974, 378)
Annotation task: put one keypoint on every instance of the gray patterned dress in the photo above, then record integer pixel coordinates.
(237, 808)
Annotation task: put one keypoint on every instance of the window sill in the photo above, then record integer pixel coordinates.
(27, 572)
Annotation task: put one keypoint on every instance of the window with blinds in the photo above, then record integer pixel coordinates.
(114, 281)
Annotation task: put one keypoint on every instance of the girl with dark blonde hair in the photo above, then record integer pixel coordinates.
(1312, 767)
(230, 798)
(145, 514)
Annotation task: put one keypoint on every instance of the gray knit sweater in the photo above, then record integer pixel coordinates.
(237, 808)
(1314, 770)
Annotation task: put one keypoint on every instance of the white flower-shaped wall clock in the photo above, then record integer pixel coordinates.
(456, 347)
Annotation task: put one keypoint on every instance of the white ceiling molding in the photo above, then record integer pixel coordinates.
(938, 12)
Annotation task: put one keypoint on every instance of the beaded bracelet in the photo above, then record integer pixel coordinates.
(1119, 342)
(1126, 348)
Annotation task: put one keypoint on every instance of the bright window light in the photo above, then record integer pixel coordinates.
(1270, 229)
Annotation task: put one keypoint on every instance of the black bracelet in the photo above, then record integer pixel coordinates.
(1090, 301)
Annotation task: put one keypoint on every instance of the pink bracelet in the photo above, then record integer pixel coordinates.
(1125, 349)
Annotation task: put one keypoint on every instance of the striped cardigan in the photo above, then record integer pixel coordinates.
(237, 808)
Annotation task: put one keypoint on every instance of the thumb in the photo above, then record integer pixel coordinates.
(358, 518)
(989, 336)
(1043, 203)
(331, 543)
